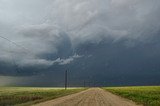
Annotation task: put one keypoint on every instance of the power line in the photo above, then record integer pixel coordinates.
(13, 42)
(18, 45)
(26, 50)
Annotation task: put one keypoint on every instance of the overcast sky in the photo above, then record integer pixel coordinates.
(114, 41)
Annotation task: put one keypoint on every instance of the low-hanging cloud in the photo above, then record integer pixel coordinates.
(67, 61)
(44, 62)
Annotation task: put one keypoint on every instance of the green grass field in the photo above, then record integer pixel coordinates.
(25, 96)
(146, 95)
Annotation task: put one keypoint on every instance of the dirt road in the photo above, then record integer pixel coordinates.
(90, 97)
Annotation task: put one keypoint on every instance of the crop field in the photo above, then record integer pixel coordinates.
(146, 95)
(24, 96)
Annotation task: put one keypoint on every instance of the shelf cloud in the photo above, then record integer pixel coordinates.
(55, 33)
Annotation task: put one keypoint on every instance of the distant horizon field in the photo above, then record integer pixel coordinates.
(24, 96)
(146, 95)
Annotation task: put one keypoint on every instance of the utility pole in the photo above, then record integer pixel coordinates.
(66, 75)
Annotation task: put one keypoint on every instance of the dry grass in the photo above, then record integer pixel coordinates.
(10, 96)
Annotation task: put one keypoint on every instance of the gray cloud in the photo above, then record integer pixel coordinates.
(55, 33)
(38, 29)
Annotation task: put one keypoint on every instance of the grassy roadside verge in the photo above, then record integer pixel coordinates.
(146, 95)
(24, 96)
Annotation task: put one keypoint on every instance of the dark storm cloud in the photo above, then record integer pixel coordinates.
(106, 39)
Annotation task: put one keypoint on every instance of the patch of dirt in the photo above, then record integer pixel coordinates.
(90, 97)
